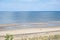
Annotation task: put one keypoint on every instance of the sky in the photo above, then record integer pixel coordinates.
(29, 5)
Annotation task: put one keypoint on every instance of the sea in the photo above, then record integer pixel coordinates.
(23, 18)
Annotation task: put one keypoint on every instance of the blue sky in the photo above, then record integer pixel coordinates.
(29, 5)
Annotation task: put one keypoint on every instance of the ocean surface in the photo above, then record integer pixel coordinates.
(9, 17)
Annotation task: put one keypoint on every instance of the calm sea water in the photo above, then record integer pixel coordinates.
(29, 16)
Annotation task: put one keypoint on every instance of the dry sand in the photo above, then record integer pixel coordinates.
(28, 30)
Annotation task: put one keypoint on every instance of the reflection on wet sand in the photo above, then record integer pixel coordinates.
(28, 25)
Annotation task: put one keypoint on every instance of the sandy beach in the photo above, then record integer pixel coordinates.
(28, 30)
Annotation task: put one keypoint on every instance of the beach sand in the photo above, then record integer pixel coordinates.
(30, 32)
